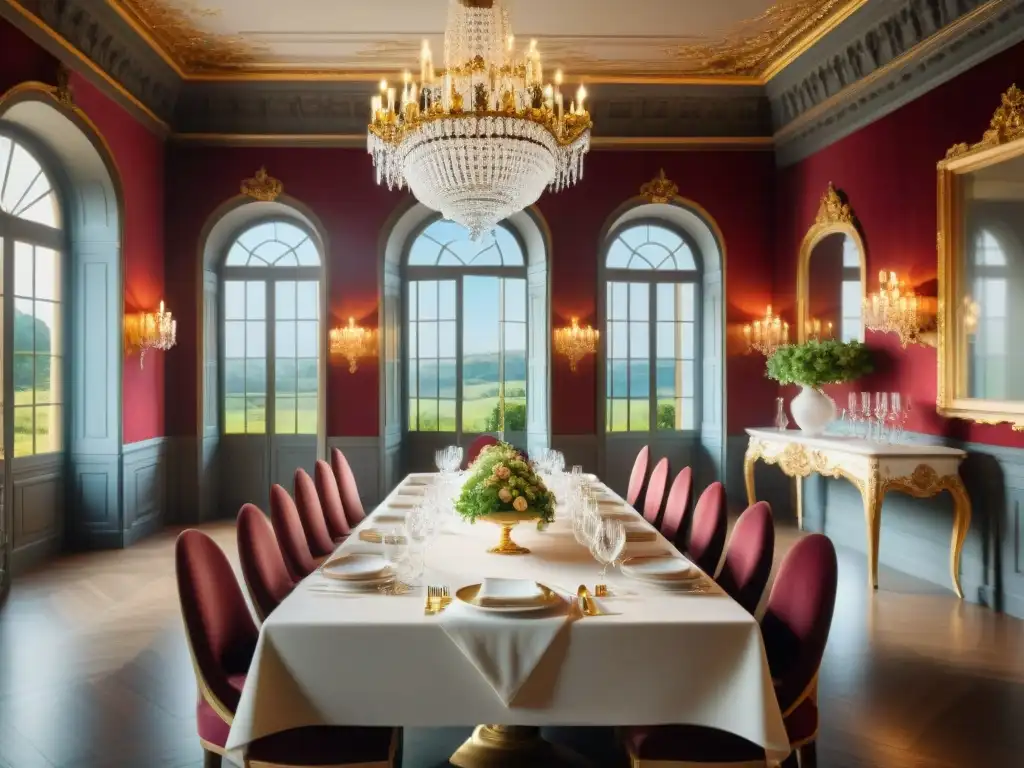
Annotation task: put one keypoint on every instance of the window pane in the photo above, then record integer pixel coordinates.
(234, 300)
(256, 339)
(284, 415)
(619, 378)
(306, 416)
(24, 326)
(428, 415)
(446, 415)
(428, 378)
(446, 339)
(255, 300)
(234, 338)
(256, 415)
(428, 300)
(44, 368)
(234, 378)
(620, 416)
(639, 378)
(618, 345)
(689, 342)
(234, 415)
(47, 325)
(24, 430)
(619, 302)
(689, 413)
(255, 376)
(666, 301)
(639, 415)
(687, 300)
(447, 379)
(285, 376)
(666, 340)
(666, 379)
(284, 298)
(427, 340)
(308, 374)
(24, 377)
(284, 338)
(308, 338)
(639, 340)
(446, 299)
(309, 300)
(639, 300)
(23, 263)
(515, 300)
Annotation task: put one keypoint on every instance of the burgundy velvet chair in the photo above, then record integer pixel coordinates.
(656, 492)
(710, 525)
(476, 447)
(638, 476)
(795, 628)
(677, 508)
(312, 515)
(330, 500)
(221, 639)
(290, 536)
(350, 500)
(266, 576)
(748, 556)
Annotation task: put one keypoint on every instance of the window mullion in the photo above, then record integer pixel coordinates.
(269, 389)
(459, 317)
(652, 340)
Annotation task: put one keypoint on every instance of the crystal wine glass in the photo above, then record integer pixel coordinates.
(608, 542)
(881, 412)
(865, 413)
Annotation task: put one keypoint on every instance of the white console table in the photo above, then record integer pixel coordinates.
(874, 469)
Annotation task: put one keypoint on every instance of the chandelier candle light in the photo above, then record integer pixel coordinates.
(893, 309)
(481, 139)
(575, 342)
(149, 330)
(352, 342)
(766, 335)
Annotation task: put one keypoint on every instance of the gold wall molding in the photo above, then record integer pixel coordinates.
(1006, 125)
(832, 209)
(660, 189)
(262, 186)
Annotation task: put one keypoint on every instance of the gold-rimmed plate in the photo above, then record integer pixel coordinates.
(470, 595)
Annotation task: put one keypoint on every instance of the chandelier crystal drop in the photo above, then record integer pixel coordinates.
(480, 140)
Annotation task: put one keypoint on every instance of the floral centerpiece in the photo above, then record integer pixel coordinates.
(502, 488)
(812, 365)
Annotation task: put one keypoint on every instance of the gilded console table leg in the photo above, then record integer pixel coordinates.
(749, 460)
(961, 522)
(872, 493)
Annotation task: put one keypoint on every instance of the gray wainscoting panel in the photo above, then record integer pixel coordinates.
(620, 451)
(37, 509)
(290, 452)
(363, 454)
(243, 474)
(771, 485)
(577, 449)
(144, 476)
(95, 493)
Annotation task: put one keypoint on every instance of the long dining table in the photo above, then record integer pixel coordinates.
(658, 656)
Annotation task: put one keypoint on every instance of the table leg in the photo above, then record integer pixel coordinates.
(799, 481)
(511, 746)
(872, 497)
(961, 522)
(748, 476)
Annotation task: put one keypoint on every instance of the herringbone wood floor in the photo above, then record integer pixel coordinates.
(94, 673)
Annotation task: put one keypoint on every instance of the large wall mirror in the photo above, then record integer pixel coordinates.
(981, 272)
(830, 274)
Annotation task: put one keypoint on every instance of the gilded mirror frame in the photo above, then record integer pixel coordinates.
(834, 217)
(1004, 140)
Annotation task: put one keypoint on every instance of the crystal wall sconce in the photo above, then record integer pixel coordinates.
(144, 331)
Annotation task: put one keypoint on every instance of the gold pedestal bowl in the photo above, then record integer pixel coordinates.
(507, 521)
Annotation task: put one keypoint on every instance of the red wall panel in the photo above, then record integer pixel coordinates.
(338, 186)
(888, 171)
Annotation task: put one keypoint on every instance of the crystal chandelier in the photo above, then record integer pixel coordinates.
(352, 342)
(480, 140)
(893, 309)
(767, 334)
(149, 330)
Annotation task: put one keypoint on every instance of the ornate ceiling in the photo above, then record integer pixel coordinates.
(603, 40)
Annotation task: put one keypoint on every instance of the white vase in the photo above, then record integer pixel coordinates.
(812, 410)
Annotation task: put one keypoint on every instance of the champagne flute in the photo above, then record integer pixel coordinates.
(881, 412)
(865, 413)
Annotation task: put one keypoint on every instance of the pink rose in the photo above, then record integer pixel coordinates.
(505, 495)
(502, 472)
(520, 504)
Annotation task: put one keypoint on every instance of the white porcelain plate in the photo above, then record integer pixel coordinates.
(661, 568)
(355, 567)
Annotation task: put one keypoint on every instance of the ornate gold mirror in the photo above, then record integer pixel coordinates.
(830, 274)
(981, 272)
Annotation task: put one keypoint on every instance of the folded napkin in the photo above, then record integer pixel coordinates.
(405, 502)
(374, 536)
(410, 489)
(640, 533)
(508, 592)
(505, 648)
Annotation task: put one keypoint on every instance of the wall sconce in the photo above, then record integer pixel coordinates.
(352, 342)
(813, 329)
(895, 308)
(575, 342)
(149, 330)
(766, 335)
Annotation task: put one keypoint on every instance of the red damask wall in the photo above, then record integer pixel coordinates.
(139, 156)
(338, 186)
(887, 169)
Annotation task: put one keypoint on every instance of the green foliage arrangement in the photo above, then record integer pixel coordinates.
(515, 418)
(502, 480)
(815, 363)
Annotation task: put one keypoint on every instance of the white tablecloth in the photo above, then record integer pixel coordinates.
(330, 659)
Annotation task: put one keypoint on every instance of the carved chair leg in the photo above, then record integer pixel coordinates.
(808, 756)
(211, 759)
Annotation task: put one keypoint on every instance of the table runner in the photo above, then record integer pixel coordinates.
(663, 657)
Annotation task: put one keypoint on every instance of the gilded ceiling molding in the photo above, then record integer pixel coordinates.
(660, 189)
(178, 29)
(63, 91)
(262, 187)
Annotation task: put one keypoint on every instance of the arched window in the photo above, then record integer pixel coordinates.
(467, 330)
(652, 314)
(33, 251)
(271, 331)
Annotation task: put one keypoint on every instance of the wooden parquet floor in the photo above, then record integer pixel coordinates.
(94, 673)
